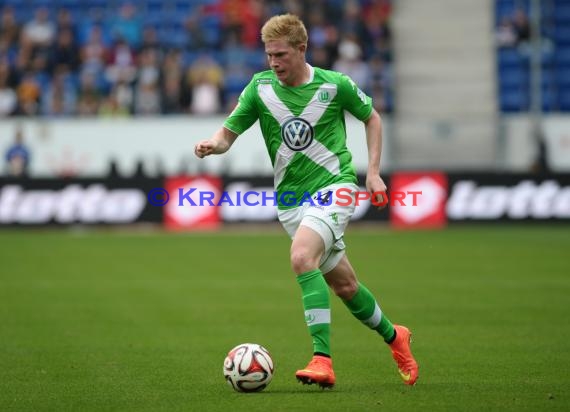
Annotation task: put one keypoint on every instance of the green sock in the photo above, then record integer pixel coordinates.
(365, 308)
(316, 302)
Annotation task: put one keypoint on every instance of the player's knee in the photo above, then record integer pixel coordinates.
(303, 261)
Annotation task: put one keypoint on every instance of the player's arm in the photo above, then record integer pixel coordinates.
(374, 183)
(240, 119)
(219, 143)
(360, 105)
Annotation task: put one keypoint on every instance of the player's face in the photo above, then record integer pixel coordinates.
(286, 61)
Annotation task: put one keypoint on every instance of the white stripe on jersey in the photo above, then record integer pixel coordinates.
(312, 113)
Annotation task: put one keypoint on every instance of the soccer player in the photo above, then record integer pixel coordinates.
(301, 113)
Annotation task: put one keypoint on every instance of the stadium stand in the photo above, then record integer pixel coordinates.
(149, 57)
(513, 55)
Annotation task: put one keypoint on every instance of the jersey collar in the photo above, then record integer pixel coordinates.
(311, 76)
(311, 73)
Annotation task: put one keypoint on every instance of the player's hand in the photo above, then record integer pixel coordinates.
(377, 189)
(204, 148)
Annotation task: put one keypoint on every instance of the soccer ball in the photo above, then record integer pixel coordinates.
(248, 368)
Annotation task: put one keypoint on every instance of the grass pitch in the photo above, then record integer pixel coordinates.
(98, 321)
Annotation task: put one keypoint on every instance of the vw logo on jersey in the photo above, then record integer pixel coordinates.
(297, 134)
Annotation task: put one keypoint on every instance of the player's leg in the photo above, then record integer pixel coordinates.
(362, 304)
(359, 300)
(314, 231)
(307, 249)
(327, 222)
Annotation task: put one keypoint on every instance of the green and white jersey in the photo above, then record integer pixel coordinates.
(303, 128)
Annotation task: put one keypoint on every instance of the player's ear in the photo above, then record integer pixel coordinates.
(302, 47)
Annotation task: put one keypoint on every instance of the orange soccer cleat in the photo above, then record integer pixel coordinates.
(402, 354)
(319, 371)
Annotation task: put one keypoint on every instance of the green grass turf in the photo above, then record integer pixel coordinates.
(107, 321)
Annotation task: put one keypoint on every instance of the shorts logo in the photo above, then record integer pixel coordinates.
(334, 217)
(297, 134)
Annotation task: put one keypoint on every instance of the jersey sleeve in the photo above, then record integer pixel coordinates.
(353, 99)
(245, 113)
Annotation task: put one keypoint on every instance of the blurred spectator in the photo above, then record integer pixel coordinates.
(60, 97)
(127, 25)
(195, 39)
(513, 30)
(380, 83)
(506, 35)
(273, 7)
(94, 52)
(65, 55)
(121, 63)
(8, 97)
(232, 17)
(204, 80)
(147, 99)
(378, 35)
(150, 42)
(28, 95)
(322, 33)
(17, 156)
(171, 95)
(352, 22)
(294, 7)
(22, 60)
(40, 31)
(241, 19)
(116, 104)
(522, 26)
(6, 51)
(236, 77)
(9, 27)
(39, 67)
(383, 48)
(171, 82)
(147, 93)
(65, 22)
(380, 72)
(350, 63)
(89, 97)
(320, 57)
(94, 17)
(124, 94)
(148, 71)
(379, 10)
(253, 19)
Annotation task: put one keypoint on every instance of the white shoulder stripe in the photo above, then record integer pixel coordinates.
(273, 103)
